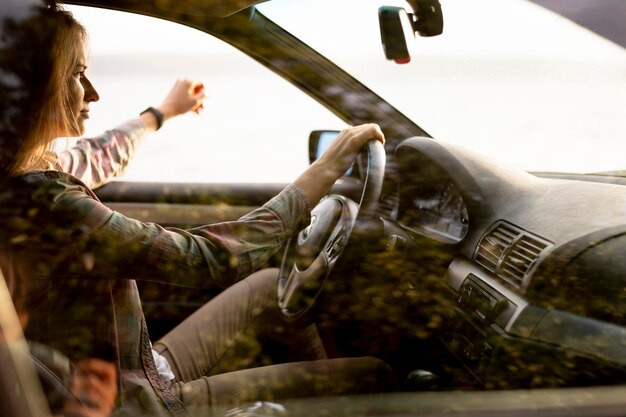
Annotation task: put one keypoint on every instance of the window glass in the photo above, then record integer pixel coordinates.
(507, 78)
(254, 127)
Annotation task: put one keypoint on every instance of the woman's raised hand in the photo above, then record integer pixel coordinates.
(184, 96)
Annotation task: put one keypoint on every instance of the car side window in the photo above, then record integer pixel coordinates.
(254, 127)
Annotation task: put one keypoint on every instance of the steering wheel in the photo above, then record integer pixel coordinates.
(310, 256)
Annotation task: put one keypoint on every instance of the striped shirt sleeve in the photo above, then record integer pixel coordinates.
(95, 161)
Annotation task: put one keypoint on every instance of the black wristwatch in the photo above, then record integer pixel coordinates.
(157, 114)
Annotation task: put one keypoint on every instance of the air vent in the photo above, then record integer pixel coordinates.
(510, 252)
(494, 245)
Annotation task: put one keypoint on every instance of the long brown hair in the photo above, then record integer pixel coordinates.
(49, 45)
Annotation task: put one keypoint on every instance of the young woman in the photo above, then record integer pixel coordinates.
(71, 262)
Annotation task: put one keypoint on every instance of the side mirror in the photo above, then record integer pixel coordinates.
(398, 28)
(319, 140)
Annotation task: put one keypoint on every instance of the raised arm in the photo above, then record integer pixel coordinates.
(95, 161)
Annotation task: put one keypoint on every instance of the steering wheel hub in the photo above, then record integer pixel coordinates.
(311, 240)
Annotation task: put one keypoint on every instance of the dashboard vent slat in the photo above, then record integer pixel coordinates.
(493, 247)
(510, 252)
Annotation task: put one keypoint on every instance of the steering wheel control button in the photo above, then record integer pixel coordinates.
(307, 231)
(336, 244)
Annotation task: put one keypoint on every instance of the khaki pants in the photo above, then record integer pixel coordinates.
(219, 353)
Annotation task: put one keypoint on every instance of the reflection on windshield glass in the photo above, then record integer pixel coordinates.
(529, 88)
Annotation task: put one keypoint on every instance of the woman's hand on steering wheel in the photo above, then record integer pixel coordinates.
(344, 149)
(336, 160)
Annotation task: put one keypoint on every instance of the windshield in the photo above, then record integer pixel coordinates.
(507, 78)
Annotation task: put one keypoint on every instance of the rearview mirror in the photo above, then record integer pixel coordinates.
(396, 33)
(398, 28)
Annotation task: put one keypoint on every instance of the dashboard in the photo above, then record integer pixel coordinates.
(434, 209)
(536, 264)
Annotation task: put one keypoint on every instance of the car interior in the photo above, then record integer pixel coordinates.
(461, 272)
